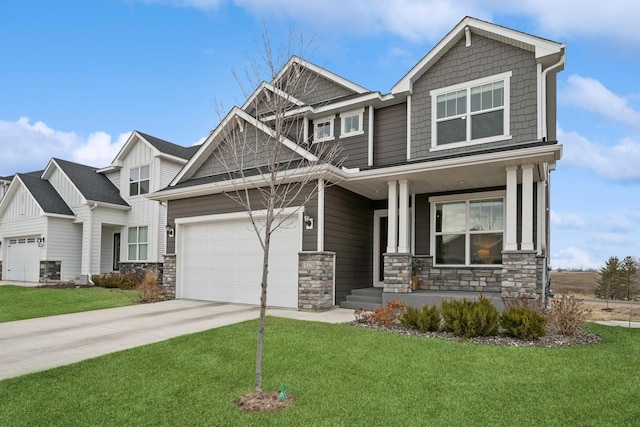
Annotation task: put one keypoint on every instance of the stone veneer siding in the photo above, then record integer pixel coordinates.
(141, 268)
(169, 276)
(522, 274)
(397, 273)
(316, 280)
(50, 271)
(466, 279)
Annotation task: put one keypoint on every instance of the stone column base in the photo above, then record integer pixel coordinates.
(316, 280)
(397, 273)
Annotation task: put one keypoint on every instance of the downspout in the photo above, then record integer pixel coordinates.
(91, 208)
(544, 89)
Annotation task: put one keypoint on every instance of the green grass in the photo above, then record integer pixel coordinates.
(339, 375)
(18, 303)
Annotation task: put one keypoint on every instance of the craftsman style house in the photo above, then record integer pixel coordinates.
(70, 221)
(450, 168)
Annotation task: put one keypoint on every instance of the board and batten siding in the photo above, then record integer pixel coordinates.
(64, 244)
(21, 206)
(390, 135)
(348, 231)
(220, 204)
(114, 177)
(66, 189)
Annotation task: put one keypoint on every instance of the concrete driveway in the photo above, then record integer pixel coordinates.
(37, 344)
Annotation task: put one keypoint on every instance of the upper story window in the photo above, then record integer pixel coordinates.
(468, 231)
(472, 112)
(139, 180)
(323, 129)
(138, 240)
(351, 123)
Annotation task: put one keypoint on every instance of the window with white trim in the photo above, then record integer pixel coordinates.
(472, 112)
(468, 231)
(139, 180)
(323, 129)
(138, 242)
(351, 123)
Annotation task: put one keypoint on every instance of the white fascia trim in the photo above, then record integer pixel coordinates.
(275, 90)
(108, 205)
(63, 216)
(176, 159)
(291, 113)
(322, 72)
(209, 146)
(513, 155)
(112, 168)
(541, 47)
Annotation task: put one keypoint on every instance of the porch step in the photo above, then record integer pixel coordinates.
(366, 298)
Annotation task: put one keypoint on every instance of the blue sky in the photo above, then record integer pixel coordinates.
(76, 77)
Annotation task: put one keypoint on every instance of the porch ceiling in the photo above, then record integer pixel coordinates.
(447, 176)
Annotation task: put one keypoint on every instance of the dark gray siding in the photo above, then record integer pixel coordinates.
(355, 149)
(220, 204)
(255, 147)
(349, 233)
(312, 88)
(422, 218)
(390, 135)
(485, 57)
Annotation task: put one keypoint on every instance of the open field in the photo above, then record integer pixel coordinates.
(583, 285)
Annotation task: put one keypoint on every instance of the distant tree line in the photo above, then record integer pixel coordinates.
(619, 279)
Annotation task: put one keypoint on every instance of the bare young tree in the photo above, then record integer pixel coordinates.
(266, 152)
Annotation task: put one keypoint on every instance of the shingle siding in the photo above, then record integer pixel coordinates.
(313, 89)
(349, 233)
(484, 58)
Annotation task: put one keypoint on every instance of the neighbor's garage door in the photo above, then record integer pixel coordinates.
(23, 260)
(222, 261)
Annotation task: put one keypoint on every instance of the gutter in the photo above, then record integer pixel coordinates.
(544, 89)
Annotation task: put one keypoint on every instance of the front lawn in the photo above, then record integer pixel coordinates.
(18, 303)
(338, 375)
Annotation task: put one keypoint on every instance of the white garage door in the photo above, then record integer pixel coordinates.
(222, 261)
(23, 260)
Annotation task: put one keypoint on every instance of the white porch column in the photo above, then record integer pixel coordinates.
(403, 222)
(527, 208)
(511, 220)
(392, 230)
(320, 219)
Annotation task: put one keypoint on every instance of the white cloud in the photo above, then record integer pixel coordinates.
(618, 239)
(616, 163)
(567, 220)
(618, 222)
(26, 147)
(591, 95)
(429, 20)
(572, 258)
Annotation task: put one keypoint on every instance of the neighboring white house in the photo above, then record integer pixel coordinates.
(71, 221)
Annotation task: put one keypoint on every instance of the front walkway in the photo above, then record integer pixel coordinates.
(37, 344)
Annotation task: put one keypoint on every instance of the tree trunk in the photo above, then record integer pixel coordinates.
(263, 299)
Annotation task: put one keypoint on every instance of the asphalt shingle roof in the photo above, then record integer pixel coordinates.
(92, 185)
(44, 193)
(170, 148)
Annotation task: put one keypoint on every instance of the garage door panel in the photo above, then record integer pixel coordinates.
(222, 261)
(23, 260)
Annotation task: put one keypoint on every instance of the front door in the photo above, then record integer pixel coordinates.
(116, 252)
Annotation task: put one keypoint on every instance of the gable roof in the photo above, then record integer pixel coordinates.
(264, 86)
(212, 142)
(44, 194)
(348, 84)
(544, 50)
(169, 148)
(93, 186)
(160, 147)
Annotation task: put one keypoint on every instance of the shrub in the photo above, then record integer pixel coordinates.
(426, 319)
(523, 323)
(566, 316)
(524, 301)
(116, 280)
(151, 290)
(384, 315)
(467, 319)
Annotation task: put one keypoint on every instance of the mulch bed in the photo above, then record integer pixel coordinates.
(550, 340)
(68, 285)
(263, 401)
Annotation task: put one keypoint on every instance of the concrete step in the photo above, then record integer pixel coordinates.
(367, 292)
(366, 298)
(355, 305)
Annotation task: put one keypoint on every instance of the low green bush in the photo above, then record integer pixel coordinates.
(426, 319)
(116, 280)
(465, 318)
(523, 323)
